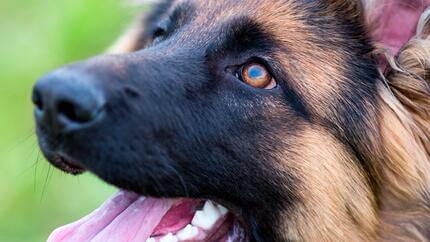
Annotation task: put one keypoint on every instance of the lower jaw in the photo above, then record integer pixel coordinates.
(129, 217)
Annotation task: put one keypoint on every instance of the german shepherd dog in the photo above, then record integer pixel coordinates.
(251, 120)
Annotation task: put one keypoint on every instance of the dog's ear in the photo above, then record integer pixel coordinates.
(409, 78)
(405, 116)
(405, 138)
(391, 23)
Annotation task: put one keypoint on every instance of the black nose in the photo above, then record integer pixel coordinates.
(66, 100)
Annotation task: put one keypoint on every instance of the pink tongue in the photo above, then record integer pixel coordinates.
(124, 217)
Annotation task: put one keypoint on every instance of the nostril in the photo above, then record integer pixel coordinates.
(67, 100)
(36, 97)
(74, 112)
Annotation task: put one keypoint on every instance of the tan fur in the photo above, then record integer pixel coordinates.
(401, 155)
(322, 68)
(402, 161)
(333, 211)
(127, 42)
(406, 131)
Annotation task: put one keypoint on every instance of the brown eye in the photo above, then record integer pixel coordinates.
(256, 75)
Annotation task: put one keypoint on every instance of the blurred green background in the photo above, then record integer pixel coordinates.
(35, 37)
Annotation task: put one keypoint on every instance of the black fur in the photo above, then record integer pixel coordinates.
(178, 123)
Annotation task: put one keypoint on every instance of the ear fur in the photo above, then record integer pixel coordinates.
(405, 132)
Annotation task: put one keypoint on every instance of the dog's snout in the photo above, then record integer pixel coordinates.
(65, 101)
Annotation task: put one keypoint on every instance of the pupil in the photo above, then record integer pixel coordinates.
(255, 72)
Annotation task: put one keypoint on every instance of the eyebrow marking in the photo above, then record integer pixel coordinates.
(242, 34)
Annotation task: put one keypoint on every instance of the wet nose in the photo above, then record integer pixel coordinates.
(66, 100)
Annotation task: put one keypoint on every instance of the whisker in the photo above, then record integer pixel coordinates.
(21, 141)
(35, 171)
(45, 183)
(28, 158)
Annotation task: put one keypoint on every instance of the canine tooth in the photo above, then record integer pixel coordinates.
(211, 211)
(223, 210)
(169, 238)
(209, 206)
(150, 240)
(207, 217)
(187, 233)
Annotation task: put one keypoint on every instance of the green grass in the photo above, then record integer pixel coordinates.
(35, 37)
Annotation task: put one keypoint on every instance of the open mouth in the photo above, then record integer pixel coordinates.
(127, 216)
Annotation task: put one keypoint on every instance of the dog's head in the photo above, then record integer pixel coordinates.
(274, 109)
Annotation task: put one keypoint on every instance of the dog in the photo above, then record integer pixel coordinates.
(251, 120)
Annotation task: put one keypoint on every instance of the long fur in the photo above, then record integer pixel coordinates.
(405, 211)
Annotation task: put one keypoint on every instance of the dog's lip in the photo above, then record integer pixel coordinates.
(66, 164)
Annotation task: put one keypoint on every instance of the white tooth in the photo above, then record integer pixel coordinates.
(198, 219)
(150, 240)
(169, 238)
(209, 206)
(211, 211)
(187, 233)
(206, 218)
(222, 209)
